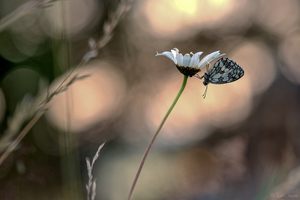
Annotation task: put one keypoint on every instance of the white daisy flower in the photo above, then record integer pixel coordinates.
(190, 64)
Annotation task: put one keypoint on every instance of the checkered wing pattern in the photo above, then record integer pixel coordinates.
(224, 71)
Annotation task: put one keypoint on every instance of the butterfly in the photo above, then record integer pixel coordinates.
(223, 71)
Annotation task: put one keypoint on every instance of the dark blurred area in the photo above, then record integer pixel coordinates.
(237, 143)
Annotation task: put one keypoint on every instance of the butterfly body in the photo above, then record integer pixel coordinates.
(223, 71)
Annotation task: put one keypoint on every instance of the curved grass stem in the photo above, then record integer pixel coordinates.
(155, 136)
(12, 146)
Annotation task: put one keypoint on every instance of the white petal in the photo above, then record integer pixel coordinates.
(186, 60)
(195, 60)
(168, 54)
(179, 58)
(210, 58)
(175, 51)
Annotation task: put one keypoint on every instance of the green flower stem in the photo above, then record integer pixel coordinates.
(155, 136)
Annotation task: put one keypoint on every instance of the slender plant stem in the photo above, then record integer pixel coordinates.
(155, 136)
(22, 134)
(69, 156)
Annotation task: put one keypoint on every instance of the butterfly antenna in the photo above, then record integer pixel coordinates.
(205, 91)
(199, 77)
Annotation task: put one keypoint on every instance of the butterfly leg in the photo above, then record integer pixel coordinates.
(205, 91)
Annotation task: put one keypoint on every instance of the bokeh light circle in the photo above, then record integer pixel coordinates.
(289, 52)
(18, 83)
(70, 17)
(183, 18)
(258, 63)
(88, 101)
(274, 17)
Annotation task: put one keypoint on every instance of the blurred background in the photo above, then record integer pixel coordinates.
(237, 143)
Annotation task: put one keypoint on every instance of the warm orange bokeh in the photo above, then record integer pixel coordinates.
(90, 100)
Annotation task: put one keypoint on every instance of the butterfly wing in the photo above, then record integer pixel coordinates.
(225, 71)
